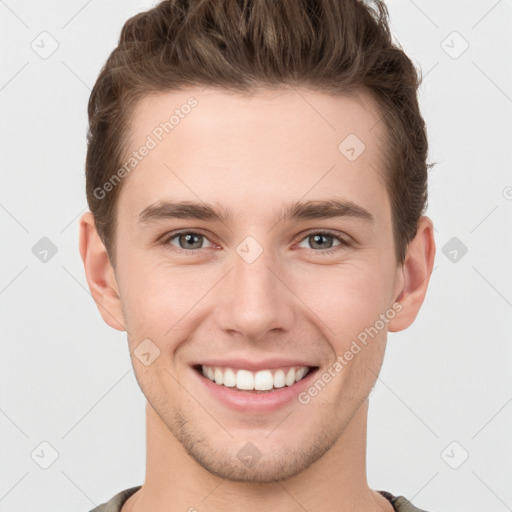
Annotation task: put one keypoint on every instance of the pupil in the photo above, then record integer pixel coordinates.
(317, 238)
(190, 239)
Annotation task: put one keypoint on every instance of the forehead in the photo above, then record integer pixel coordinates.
(252, 151)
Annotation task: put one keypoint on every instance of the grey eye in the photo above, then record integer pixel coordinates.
(189, 240)
(320, 241)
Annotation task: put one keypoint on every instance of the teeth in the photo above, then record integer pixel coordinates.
(279, 379)
(229, 378)
(300, 374)
(219, 376)
(244, 379)
(290, 377)
(263, 380)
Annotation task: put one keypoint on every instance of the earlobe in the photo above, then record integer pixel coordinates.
(416, 270)
(99, 273)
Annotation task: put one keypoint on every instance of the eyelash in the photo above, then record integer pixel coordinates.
(343, 242)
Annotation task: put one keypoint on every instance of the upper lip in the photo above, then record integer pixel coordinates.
(246, 364)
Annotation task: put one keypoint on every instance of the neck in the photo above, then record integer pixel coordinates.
(337, 481)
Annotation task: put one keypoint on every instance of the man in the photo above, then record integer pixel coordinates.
(257, 178)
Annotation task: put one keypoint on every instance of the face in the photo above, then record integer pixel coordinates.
(240, 277)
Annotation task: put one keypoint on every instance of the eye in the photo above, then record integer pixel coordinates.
(323, 240)
(186, 240)
(191, 241)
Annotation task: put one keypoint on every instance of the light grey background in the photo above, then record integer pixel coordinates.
(445, 390)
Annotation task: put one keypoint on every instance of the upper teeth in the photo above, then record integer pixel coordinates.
(261, 380)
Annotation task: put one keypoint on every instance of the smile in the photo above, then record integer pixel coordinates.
(261, 380)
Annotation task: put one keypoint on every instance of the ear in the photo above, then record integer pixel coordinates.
(100, 274)
(416, 271)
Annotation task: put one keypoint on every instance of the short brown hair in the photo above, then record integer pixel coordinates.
(332, 46)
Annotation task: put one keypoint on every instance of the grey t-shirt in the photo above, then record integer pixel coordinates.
(400, 504)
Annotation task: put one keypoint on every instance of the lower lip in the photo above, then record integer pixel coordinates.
(256, 402)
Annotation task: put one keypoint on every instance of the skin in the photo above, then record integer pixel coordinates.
(253, 155)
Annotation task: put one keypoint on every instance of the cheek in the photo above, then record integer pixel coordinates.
(157, 296)
(348, 297)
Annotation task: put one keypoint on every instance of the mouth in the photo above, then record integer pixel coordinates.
(263, 381)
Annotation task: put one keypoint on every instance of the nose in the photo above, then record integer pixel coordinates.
(255, 298)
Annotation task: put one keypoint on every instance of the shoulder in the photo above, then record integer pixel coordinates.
(117, 501)
(400, 503)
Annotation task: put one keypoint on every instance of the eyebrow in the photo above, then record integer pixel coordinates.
(310, 210)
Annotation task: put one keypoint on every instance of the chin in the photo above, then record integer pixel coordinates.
(247, 463)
